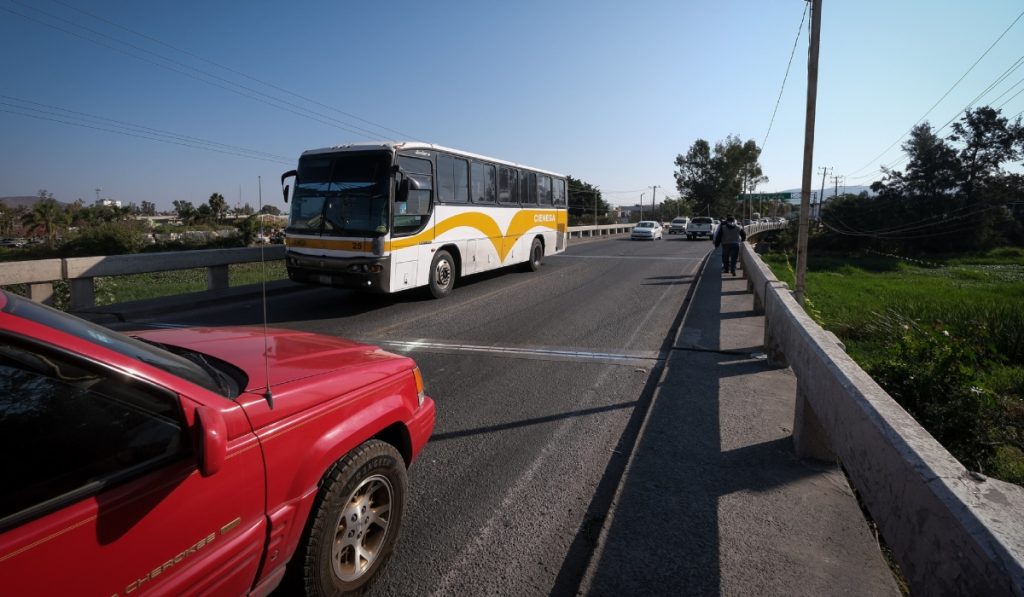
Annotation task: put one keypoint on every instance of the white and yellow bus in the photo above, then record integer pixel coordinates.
(392, 216)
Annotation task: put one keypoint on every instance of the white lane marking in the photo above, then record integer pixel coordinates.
(528, 352)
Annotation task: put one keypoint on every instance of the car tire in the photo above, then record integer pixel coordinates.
(361, 503)
(536, 256)
(442, 275)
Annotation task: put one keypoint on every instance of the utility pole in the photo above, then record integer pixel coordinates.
(836, 179)
(824, 170)
(641, 207)
(654, 202)
(805, 188)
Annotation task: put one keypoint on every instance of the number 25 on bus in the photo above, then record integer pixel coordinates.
(393, 216)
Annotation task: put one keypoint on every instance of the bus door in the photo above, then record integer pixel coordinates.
(412, 227)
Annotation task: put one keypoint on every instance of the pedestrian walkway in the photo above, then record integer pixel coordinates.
(713, 500)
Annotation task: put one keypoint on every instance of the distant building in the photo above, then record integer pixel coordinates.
(625, 213)
(109, 203)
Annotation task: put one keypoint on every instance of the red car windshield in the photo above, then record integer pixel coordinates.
(187, 369)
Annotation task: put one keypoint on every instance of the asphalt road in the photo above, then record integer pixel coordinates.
(541, 381)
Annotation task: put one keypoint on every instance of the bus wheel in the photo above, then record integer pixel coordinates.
(536, 256)
(442, 275)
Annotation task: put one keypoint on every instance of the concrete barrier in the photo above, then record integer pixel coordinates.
(951, 531)
(81, 271)
(602, 230)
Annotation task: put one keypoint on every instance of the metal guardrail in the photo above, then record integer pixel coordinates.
(953, 532)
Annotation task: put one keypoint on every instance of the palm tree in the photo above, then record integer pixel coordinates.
(218, 205)
(46, 215)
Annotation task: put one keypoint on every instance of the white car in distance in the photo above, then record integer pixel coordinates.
(678, 225)
(647, 230)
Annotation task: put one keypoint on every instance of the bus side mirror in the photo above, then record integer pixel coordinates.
(288, 174)
(408, 184)
(403, 191)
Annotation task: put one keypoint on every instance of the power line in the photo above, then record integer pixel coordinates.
(139, 132)
(799, 30)
(205, 77)
(948, 91)
(991, 86)
(56, 111)
(237, 72)
(940, 228)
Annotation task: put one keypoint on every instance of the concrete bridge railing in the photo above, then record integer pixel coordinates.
(603, 230)
(951, 531)
(82, 271)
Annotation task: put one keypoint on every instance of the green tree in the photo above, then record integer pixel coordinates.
(218, 206)
(248, 229)
(670, 208)
(185, 210)
(270, 209)
(148, 208)
(246, 210)
(585, 203)
(989, 140)
(712, 179)
(204, 214)
(47, 216)
(9, 218)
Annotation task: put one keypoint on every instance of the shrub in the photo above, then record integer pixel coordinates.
(934, 375)
(108, 238)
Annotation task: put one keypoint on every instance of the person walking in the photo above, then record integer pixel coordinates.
(729, 235)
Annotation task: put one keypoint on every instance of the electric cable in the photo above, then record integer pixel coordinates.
(799, 31)
(66, 113)
(237, 72)
(206, 77)
(985, 53)
(149, 137)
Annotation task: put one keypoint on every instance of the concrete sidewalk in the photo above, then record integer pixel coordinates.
(713, 500)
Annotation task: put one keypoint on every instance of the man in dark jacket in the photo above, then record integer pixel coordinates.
(729, 235)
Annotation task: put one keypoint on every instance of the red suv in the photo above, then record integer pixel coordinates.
(198, 461)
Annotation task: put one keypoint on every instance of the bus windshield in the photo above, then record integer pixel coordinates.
(344, 194)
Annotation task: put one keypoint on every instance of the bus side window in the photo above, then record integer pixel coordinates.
(452, 179)
(544, 190)
(411, 214)
(528, 188)
(506, 185)
(559, 192)
(483, 183)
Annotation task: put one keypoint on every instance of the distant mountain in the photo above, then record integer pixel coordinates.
(24, 201)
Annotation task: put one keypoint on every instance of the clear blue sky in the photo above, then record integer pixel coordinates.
(607, 91)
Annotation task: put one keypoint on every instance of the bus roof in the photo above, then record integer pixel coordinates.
(405, 145)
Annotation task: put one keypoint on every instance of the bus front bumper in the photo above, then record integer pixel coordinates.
(370, 274)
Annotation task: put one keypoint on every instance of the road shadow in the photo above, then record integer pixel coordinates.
(698, 449)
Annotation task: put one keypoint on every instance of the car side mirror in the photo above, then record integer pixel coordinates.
(213, 440)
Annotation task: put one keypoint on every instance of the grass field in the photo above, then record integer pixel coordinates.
(946, 339)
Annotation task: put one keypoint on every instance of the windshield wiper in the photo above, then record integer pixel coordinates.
(216, 375)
